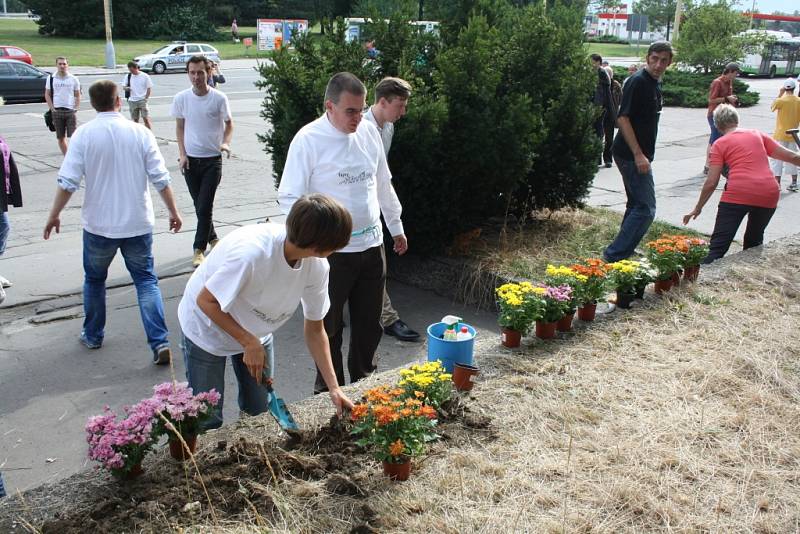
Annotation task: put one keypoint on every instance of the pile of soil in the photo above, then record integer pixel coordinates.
(238, 479)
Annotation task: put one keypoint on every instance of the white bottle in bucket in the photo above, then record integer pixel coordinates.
(450, 332)
(463, 334)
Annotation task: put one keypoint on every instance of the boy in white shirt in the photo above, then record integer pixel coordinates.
(391, 98)
(246, 290)
(62, 92)
(342, 156)
(138, 86)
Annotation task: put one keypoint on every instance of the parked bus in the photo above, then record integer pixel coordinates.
(775, 57)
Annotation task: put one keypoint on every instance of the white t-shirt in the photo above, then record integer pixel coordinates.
(64, 90)
(352, 169)
(118, 158)
(140, 83)
(205, 118)
(248, 274)
(387, 132)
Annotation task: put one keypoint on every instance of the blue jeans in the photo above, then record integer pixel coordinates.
(715, 134)
(98, 252)
(206, 371)
(640, 211)
(5, 228)
(2, 487)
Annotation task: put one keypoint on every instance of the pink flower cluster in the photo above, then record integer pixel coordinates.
(119, 445)
(562, 293)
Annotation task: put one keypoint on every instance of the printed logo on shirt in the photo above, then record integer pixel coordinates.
(345, 178)
(274, 320)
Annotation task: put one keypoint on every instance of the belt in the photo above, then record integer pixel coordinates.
(372, 230)
(65, 109)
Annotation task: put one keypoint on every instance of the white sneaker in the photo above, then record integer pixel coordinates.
(197, 258)
(2, 294)
(4, 282)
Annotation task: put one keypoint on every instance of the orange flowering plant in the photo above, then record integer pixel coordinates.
(594, 287)
(694, 249)
(665, 254)
(392, 424)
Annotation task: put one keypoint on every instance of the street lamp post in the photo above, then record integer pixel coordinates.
(111, 60)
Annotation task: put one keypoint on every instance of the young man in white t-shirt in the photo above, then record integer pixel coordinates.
(138, 86)
(248, 288)
(204, 128)
(342, 156)
(119, 160)
(62, 92)
(391, 98)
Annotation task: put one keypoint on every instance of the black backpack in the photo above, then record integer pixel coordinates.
(128, 84)
(48, 115)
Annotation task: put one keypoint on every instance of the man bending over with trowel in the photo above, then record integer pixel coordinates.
(248, 287)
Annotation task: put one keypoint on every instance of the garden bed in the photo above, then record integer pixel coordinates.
(681, 414)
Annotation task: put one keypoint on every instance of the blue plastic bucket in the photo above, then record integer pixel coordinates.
(449, 352)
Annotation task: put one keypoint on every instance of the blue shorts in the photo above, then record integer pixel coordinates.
(715, 134)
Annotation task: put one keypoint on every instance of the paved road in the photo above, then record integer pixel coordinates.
(49, 383)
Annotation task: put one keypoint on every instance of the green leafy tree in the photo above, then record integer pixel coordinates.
(709, 37)
(660, 13)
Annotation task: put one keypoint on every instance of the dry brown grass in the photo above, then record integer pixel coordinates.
(680, 416)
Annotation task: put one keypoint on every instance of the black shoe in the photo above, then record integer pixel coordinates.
(608, 165)
(401, 331)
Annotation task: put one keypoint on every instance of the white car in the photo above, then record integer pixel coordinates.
(174, 56)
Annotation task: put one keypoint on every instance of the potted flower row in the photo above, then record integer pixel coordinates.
(395, 422)
(672, 254)
(120, 445)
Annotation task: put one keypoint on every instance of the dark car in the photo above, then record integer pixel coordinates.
(20, 82)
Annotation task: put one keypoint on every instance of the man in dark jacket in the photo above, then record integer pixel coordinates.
(602, 97)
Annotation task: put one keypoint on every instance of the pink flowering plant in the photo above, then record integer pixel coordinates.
(121, 445)
(178, 405)
(555, 302)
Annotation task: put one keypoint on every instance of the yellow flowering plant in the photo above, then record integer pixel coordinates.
(393, 425)
(428, 382)
(518, 306)
(562, 275)
(624, 275)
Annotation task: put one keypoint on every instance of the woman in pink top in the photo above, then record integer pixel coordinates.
(751, 189)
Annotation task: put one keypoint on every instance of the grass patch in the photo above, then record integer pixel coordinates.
(557, 237)
(616, 49)
(91, 52)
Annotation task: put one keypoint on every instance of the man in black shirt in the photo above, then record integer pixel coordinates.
(634, 149)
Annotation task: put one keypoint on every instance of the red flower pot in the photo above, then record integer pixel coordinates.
(676, 278)
(690, 273)
(661, 286)
(510, 338)
(565, 323)
(587, 311)
(176, 449)
(463, 376)
(399, 471)
(545, 330)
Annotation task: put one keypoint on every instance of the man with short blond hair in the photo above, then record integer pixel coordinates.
(62, 92)
(391, 99)
(119, 160)
(343, 157)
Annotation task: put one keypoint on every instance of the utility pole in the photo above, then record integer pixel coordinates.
(111, 60)
(676, 26)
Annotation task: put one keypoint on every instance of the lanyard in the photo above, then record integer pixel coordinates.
(372, 230)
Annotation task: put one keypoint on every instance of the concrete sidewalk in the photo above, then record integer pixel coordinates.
(226, 64)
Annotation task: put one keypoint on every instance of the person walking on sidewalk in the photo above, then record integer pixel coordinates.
(602, 98)
(118, 158)
(634, 148)
(610, 119)
(720, 92)
(342, 156)
(204, 128)
(62, 93)
(11, 196)
(138, 87)
(750, 190)
(391, 99)
(238, 297)
(788, 107)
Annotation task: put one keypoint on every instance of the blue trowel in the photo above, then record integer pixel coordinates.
(277, 406)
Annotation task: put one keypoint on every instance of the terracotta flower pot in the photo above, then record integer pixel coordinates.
(676, 278)
(510, 338)
(565, 323)
(690, 273)
(587, 311)
(399, 471)
(135, 472)
(624, 300)
(176, 449)
(545, 330)
(661, 286)
(464, 376)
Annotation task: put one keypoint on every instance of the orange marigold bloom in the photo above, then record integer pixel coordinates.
(406, 412)
(413, 403)
(428, 411)
(359, 411)
(396, 449)
(396, 392)
(419, 394)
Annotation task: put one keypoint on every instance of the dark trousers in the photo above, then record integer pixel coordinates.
(608, 131)
(598, 127)
(202, 178)
(729, 217)
(356, 278)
